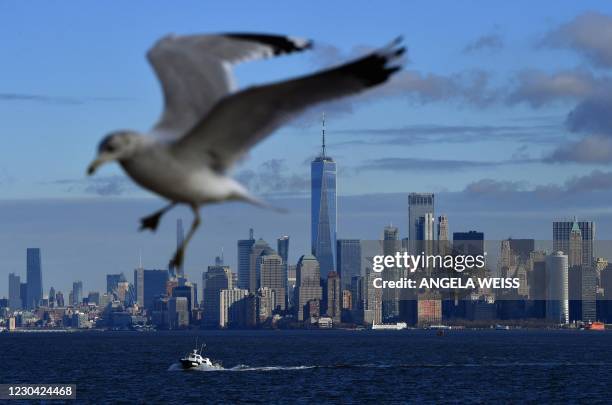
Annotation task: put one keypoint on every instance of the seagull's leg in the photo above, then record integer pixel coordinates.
(177, 261)
(152, 221)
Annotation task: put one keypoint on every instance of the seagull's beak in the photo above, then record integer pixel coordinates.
(94, 165)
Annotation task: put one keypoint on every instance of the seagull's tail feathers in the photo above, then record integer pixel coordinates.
(251, 199)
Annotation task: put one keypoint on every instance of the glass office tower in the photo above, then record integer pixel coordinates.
(323, 210)
(34, 278)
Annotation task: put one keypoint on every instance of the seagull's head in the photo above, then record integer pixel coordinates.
(117, 145)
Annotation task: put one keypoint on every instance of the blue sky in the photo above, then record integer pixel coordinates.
(482, 109)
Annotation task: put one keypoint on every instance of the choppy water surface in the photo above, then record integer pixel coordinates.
(318, 366)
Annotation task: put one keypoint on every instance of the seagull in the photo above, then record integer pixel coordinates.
(207, 125)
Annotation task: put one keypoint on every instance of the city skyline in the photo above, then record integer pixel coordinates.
(559, 231)
(423, 142)
(576, 287)
(294, 253)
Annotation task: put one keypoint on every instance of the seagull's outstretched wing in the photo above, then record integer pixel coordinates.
(195, 72)
(239, 121)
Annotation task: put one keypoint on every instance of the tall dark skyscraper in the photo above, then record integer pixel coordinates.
(139, 285)
(575, 239)
(334, 296)
(52, 297)
(216, 279)
(34, 278)
(283, 248)
(323, 209)
(244, 260)
(421, 216)
(349, 260)
(391, 296)
(23, 293)
(469, 243)
(283, 252)
(522, 248)
(561, 238)
(154, 286)
(77, 292)
(14, 285)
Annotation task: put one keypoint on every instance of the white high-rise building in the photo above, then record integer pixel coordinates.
(557, 293)
(428, 226)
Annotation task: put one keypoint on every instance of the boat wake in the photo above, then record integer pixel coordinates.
(239, 367)
(244, 367)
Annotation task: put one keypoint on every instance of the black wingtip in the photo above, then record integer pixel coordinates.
(280, 44)
(377, 67)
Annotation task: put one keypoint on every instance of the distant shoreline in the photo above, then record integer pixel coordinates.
(230, 331)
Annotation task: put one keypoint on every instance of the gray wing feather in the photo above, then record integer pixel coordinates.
(239, 121)
(195, 72)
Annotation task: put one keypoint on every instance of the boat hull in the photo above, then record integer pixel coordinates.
(187, 364)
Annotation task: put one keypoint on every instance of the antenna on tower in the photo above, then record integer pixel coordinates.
(140, 258)
(323, 135)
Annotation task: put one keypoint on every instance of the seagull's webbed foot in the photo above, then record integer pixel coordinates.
(177, 260)
(152, 221)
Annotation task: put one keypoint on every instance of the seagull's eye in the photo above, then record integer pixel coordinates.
(110, 148)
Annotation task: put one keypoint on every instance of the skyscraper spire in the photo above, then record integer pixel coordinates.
(323, 135)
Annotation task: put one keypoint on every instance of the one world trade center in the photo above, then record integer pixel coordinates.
(323, 209)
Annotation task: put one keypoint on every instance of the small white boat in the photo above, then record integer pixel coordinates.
(195, 359)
